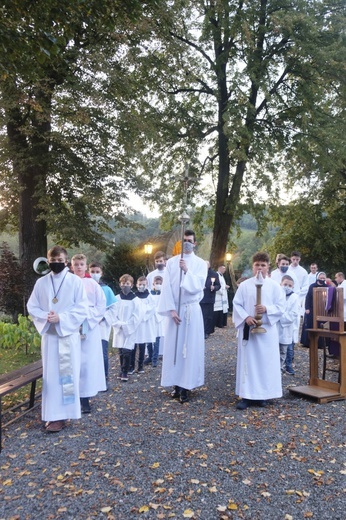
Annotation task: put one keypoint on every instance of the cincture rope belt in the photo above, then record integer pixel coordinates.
(187, 323)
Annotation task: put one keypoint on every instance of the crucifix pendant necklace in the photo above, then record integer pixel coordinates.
(55, 299)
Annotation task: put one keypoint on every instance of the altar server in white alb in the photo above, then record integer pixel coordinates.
(92, 373)
(58, 306)
(258, 357)
(184, 332)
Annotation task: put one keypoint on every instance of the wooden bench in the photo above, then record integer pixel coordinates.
(12, 381)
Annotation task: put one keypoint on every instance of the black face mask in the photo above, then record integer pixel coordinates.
(321, 282)
(57, 267)
(160, 267)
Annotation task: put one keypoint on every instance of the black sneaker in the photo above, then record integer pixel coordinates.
(243, 404)
(176, 393)
(124, 377)
(183, 396)
(262, 403)
(147, 361)
(85, 405)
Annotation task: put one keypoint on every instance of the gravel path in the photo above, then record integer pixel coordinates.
(141, 454)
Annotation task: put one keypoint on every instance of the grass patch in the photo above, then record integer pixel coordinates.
(12, 359)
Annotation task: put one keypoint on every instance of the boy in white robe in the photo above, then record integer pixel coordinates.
(145, 334)
(154, 347)
(58, 305)
(160, 267)
(96, 273)
(92, 374)
(126, 318)
(258, 359)
(287, 322)
(183, 354)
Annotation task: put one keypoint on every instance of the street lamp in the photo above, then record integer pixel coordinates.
(148, 249)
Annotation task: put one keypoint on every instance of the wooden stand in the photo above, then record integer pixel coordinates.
(320, 389)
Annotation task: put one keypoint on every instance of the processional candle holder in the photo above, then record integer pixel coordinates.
(258, 329)
(212, 281)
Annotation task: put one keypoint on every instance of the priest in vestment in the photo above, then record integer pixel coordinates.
(184, 332)
(258, 375)
(58, 305)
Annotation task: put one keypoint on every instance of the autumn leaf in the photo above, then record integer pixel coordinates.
(155, 465)
(106, 509)
(188, 513)
(143, 509)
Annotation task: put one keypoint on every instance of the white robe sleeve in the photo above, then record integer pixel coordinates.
(97, 304)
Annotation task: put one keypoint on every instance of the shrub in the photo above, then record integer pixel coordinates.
(20, 335)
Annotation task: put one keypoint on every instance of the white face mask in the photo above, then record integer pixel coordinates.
(96, 276)
(141, 288)
(288, 290)
(158, 287)
(188, 247)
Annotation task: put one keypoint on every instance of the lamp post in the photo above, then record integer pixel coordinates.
(148, 249)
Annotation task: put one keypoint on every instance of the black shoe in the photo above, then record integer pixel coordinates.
(183, 396)
(84, 401)
(243, 404)
(147, 361)
(262, 403)
(176, 393)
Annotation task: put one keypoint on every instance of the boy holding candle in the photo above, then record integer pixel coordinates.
(258, 360)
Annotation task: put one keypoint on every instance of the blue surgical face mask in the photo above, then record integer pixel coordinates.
(283, 268)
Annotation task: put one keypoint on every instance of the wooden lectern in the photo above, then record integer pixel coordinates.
(326, 324)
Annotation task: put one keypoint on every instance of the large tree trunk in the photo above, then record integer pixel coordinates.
(229, 188)
(30, 158)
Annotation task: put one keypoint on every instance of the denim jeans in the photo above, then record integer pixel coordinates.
(141, 352)
(153, 351)
(125, 359)
(289, 358)
(105, 356)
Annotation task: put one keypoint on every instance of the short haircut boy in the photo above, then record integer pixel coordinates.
(95, 264)
(159, 254)
(126, 278)
(141, 279)
(57, 251)
(189, 233)
(261, 257)
(158, 279)
(283, 257)
(287, 277)
(79, 256)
